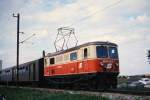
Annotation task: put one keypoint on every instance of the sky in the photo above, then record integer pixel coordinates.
(124, 22)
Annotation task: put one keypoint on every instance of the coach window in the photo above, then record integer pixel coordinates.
(85, 53)
(73, 56)
(27, 68)
(52, 61)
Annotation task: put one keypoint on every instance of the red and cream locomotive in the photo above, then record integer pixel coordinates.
(92, 65)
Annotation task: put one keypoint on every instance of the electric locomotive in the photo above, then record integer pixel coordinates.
(93, 65)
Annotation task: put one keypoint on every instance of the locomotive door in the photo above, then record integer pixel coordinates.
(85, 62)
(84, 67)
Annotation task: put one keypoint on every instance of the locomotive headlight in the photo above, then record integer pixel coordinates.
(117, 64)
(101, 63)
(109, 66)
(106, 65)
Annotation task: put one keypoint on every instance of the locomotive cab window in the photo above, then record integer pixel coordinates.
(52, 61)
(85, 53)
(73, 56)
(113, 53)
(101, 52)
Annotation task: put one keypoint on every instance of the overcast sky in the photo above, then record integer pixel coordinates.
(126, 23)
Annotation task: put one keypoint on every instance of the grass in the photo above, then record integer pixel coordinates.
(26, 94)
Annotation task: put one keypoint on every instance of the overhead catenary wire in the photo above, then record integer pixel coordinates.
(78, 21)
(100, 10)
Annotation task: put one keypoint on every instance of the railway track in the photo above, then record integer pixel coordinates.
(130, 92)
(85, 92)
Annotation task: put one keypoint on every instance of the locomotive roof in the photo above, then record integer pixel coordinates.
(82, 45)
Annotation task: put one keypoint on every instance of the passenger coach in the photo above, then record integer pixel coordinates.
(30, 73)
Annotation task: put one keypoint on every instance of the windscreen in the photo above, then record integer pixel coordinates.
(101, 51)
(113, 53)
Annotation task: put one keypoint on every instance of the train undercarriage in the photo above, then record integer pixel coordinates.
(89, 81)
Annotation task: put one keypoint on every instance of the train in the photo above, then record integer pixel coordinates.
(29, 73)
(92, 65)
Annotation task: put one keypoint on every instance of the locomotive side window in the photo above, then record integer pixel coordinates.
(73, 56)
(113, 53)
(85, 53)
(101, 52)
(59, 58)
(52, 61)
(66, 57)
